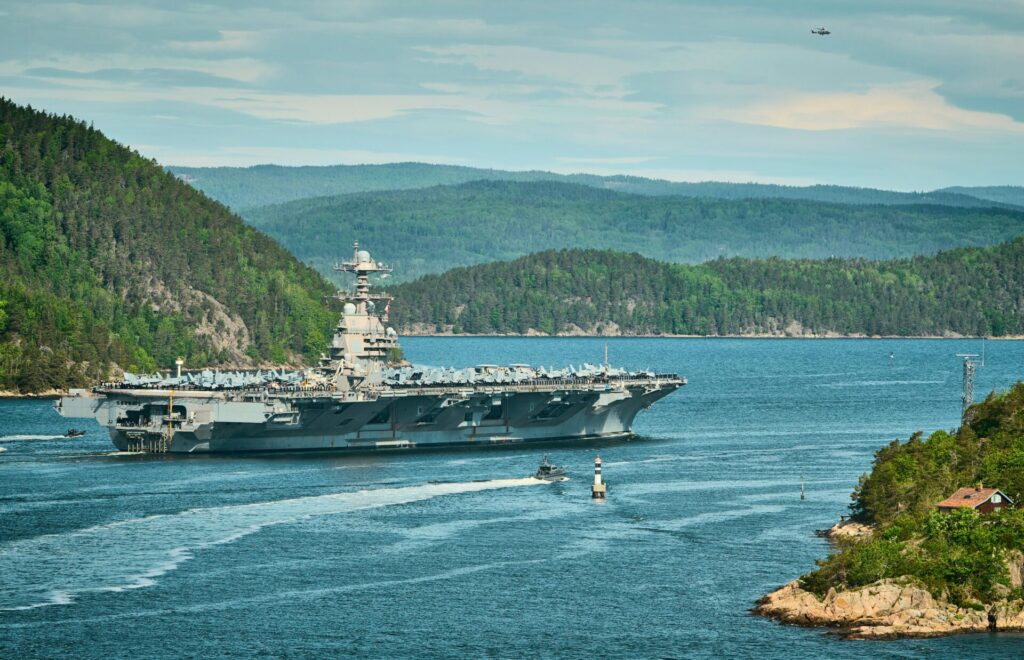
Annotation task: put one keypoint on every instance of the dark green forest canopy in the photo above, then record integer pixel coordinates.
(260, 185)
(961, 554)
(968, 291)
(106, 258)
(431, 230)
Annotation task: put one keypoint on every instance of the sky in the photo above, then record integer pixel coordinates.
(911, 95)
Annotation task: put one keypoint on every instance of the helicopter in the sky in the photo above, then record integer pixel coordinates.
(820, 31)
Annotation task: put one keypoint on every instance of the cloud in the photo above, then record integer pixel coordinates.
(282, 107)
(912, 105)
(609, 160)
(687, 91)
(227, 41)
(343, 108)
(419, 27)
(117, 15)
(162, 77)
(579, 69)
(98, 67)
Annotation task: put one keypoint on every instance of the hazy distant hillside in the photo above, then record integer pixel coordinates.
(1002, 194)
(105, 258)
(434, 229)
(970, 291)
(246, 187)
(819, 193)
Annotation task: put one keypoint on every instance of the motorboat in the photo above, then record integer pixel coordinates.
(549, 472)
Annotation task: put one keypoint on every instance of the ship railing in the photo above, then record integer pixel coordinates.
(246, 389)
(326, 389)
(546, 385)
(545, 382)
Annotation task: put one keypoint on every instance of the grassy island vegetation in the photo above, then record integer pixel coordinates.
(106, 258)
(961, 554)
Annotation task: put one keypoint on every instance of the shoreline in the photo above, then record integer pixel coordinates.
(540, 335)
(45, 395)
(888, 609)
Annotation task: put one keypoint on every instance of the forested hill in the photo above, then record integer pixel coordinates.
(261, 185)
(968, 291)
(1002, 194)
(107, 259)
(433, 229)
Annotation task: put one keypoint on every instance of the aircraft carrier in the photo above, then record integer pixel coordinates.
(362, 396)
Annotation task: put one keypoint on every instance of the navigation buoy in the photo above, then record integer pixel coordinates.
(802, 497)
(597, 491)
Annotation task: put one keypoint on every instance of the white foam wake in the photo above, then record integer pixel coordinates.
(134, 553)
(27, 436)
(309, 594)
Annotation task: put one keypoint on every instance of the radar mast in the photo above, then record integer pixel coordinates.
(362, 343)
(363, 266)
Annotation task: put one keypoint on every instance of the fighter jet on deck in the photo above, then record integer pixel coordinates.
(820, 31)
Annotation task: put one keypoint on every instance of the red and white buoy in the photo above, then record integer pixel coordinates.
(597, 491)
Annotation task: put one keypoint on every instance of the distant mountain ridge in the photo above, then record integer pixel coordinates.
(429, 230)
(248, 187)
(968, 291)
(1002, 194)
(108, 260)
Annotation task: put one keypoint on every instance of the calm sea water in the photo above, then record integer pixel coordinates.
(452, 553)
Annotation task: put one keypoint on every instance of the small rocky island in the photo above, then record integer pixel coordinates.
(929, 549)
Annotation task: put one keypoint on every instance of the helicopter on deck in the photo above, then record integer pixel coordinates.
(821, 31)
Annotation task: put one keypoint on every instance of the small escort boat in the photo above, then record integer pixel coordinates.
(74, 433)
(549, 472)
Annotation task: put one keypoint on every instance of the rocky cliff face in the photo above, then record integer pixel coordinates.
(887, 609)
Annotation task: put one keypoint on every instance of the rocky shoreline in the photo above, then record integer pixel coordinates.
(890, 608)
(45, 394)
(846, 529)
(433, 332)
(887, 609)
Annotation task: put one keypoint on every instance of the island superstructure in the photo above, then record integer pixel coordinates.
(363, 396)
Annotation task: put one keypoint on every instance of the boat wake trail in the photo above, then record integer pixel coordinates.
(20, 437)
(134, 553)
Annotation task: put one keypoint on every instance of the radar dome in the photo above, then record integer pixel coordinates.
(349, 309)
(390, 332)
(363, 256)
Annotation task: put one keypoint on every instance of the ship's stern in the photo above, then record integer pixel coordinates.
(80, 403)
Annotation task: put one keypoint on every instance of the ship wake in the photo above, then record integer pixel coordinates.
(27, 436)
(135, 553)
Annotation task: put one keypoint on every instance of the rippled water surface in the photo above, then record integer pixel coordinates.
(455, 553)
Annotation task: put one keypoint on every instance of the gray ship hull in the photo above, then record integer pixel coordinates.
(363, 397)
(217, 422)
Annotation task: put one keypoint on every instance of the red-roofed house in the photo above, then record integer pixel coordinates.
(982, 500)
